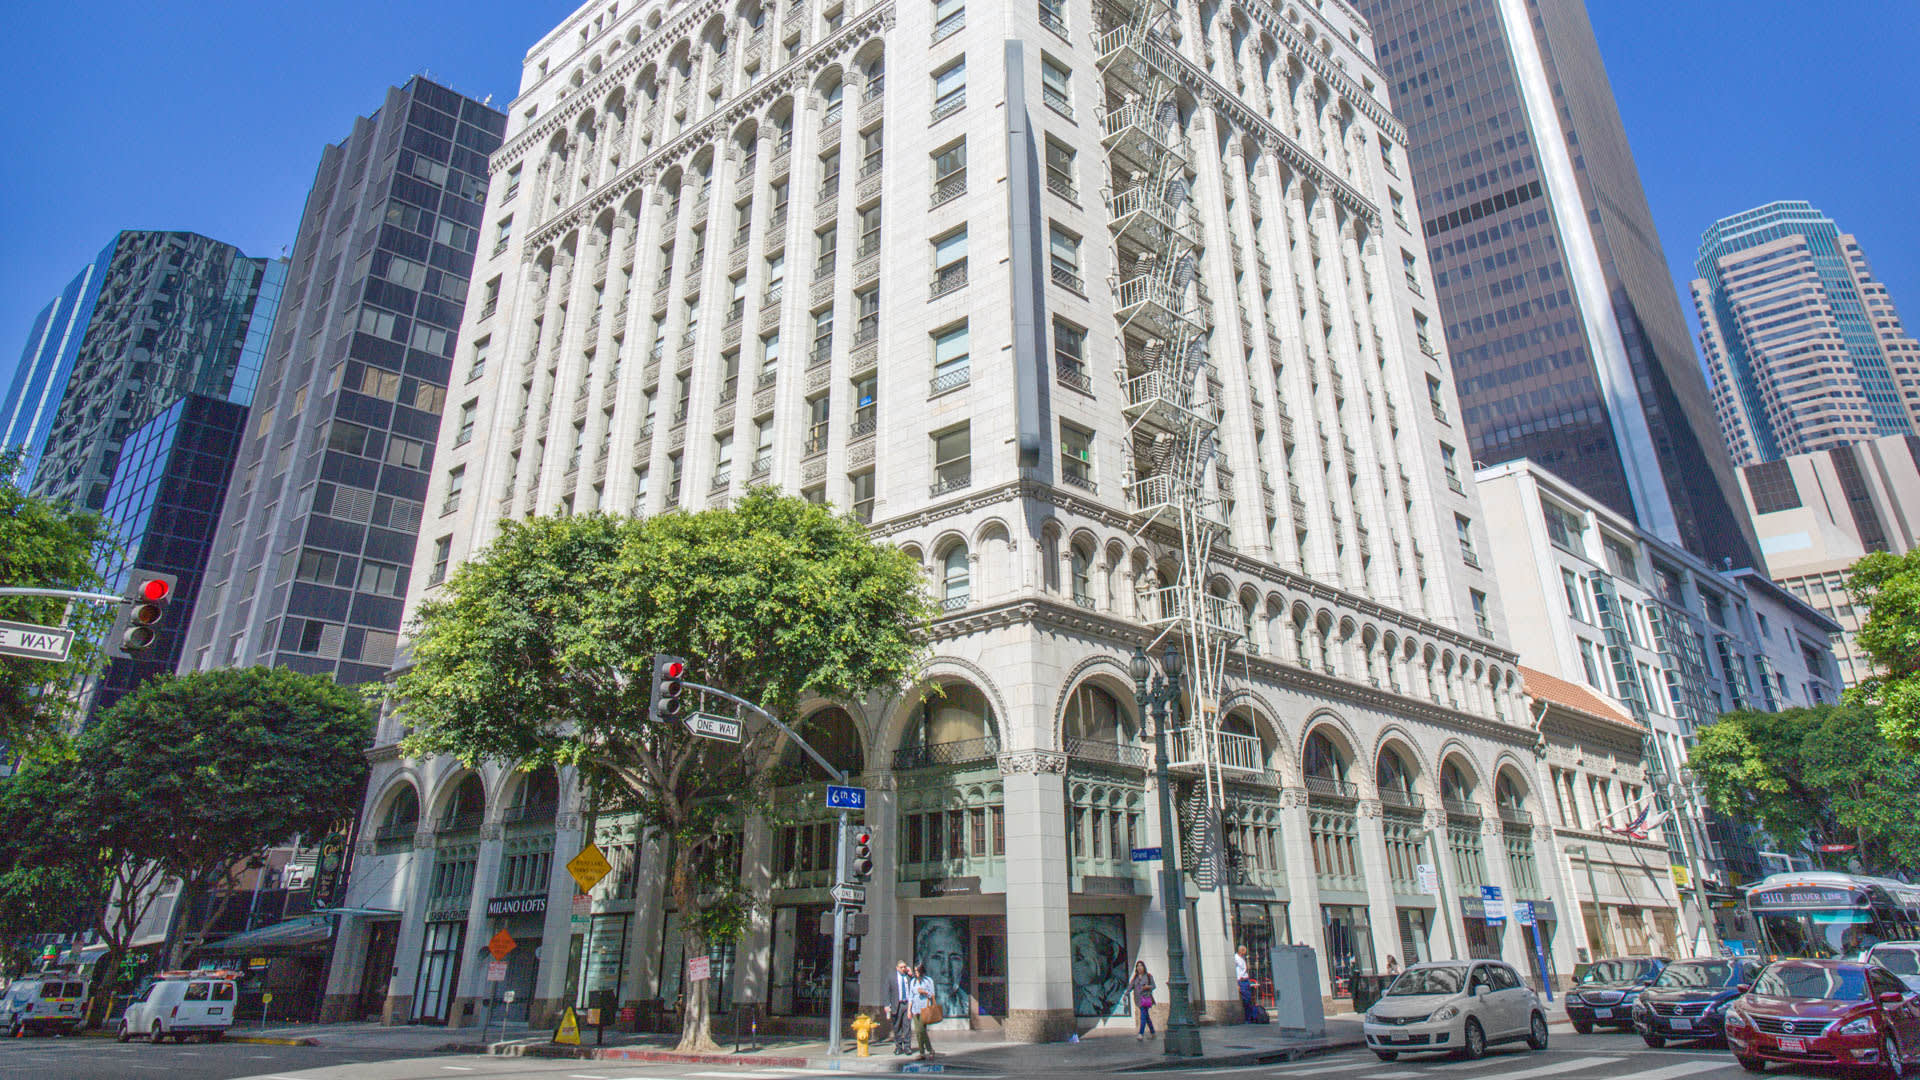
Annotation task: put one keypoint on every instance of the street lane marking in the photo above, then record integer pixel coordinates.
(1552, 1069)
(1684, 1068)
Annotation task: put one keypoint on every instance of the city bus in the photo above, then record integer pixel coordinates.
(1817, 915)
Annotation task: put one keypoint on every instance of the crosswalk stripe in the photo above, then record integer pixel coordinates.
(1570, 1065)
(1680, 1069)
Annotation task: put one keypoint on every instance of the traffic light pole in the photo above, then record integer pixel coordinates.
(66, 594)
(836, 997)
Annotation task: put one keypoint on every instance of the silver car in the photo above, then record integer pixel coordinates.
(1457, 1007)
(1900, 957)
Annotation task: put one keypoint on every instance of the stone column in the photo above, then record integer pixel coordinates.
(471, 987)
(642, 980)
(1515, 941)
(1303, 881)
(1452, 937)
(556, 931)
(406, 952)
(752, 982)
(1382, 915)
(1040, 985)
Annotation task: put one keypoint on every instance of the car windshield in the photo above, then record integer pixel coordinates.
(1615, 971)
(1433, 980)
(1813, 982)
(1898, 961)
(1697, 973)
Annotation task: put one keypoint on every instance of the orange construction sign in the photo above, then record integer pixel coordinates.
(501, 944)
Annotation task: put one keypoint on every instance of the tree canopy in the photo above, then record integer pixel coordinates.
(539, 651)
(186, 777)
(46, 545)
(1821, 775)
(1888, 588)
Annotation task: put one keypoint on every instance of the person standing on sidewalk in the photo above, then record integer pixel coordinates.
(901, 1010)
(1141, 987)
(920, 998)
(1245, 979)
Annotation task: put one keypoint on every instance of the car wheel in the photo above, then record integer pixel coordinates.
(1654, 1042)
(1473, 1041)
(1755, 1065)
(125, 1033)
(1537, 1033)
(1582, 1027)
(1891, 1065)
(157, 1035)
(1386, 1055)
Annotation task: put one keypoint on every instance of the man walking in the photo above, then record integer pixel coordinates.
(901, 1011)
(1245, 978)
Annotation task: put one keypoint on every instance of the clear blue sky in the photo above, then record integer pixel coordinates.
(210, 116)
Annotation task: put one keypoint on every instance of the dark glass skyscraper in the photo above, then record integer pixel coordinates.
(1564, 330)
(316, 541)
(157, 316)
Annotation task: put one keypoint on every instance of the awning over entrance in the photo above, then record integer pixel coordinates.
(291, 936)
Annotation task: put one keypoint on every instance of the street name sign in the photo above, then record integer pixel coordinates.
(846, 798)
(849, 895)
(1146, 854)
(713, 727)
(589, 867)
(35, 642)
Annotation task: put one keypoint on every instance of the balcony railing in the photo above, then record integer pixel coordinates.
(946, 107)
(1328, 787)
(949, 279)
(1069, 278)
(1465, 808)
(530, 813)
(952, 380)
(1513, 815)
(949, 187)
(1401, 800)
(1112, 753)
(467, 822)
(959, 752)
(950, 478)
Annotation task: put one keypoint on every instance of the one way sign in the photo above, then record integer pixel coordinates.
(35, 642)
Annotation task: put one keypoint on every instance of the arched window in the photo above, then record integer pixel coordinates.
(467, 806)
(1322, 759)
(403, 812)
(1507, 793)
(1097, 716)
(956, 578)
(1082, 577)
(832, 732)
(835, 95)
(1392, 774)
(1454, 783)
(960, 714)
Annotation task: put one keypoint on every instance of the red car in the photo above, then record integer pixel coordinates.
(1827, 1012)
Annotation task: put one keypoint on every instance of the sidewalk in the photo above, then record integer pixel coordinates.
(1107, 1051)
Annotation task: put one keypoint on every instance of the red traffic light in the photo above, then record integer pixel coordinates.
(156, 589)
(675, 669)
(863, 838)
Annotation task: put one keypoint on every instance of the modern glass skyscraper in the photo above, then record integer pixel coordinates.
(312, 557)
(1566, 337)
(155, 317)
(1806, 349)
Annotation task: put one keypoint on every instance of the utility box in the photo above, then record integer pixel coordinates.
(1296, 991)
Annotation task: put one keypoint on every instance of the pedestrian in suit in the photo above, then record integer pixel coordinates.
(901, 1010)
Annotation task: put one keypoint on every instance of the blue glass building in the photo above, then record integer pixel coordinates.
(46, 363)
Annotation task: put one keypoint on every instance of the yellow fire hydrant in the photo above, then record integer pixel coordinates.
(863, 1026)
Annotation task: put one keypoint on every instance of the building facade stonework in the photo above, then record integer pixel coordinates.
(727, 245)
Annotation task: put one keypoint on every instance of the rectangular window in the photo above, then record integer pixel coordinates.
(1070, 356)
(1434, 399)
(1056, 86)
(1449, 461)
(829, 176)
(348, 438)
(950, 89)
(319, 567)
(822, 338)
(442, 554)
(468, 414)
(869, 233)
(950, 173)
(478, 366)
(1053, 16)
(406, 453)
(1464, 529)
(513, 185)
(948, 17)
(1565, 530)
(456, 482)
(1063, 254)
(502, 233)
(1480, 619)
(826, 245)
(949, 262)
(952, 460)
(1576, 596)
(1060, 170)
(380, 578)
(951, 359)
(1076, 456)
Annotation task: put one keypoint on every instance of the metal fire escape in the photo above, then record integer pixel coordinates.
(1163, 323)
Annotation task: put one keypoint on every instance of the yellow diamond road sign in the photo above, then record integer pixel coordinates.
(589, 867)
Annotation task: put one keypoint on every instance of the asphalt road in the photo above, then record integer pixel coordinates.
(1571, 1057)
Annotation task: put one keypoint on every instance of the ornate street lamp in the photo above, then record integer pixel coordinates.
(1182, 1036)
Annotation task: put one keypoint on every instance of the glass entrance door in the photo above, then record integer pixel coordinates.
(439, 967)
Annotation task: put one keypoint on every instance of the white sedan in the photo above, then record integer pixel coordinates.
(1455, 1007)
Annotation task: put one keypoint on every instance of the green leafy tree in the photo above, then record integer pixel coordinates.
(187, 777)
(1888, 588)
(46, 545)
(1822, 775)
(539, 651)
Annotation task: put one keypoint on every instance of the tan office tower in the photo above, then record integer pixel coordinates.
(1109, 321)
(1806, 349)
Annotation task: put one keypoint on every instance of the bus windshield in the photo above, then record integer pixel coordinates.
(1831, 934)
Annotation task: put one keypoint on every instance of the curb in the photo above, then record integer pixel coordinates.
(1278, 1056)
(253, 1040)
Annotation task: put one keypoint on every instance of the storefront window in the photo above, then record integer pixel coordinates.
(603, 957)
(1349, 945)
(803, 963)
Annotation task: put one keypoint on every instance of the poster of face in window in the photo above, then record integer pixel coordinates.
(1099, 949)
(940, 944)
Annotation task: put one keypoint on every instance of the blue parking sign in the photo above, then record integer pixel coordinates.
(846, 798)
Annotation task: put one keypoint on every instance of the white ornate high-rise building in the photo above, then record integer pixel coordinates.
(1117, 320)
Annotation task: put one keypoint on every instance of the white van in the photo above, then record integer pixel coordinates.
(39, 1002)
(182, 1004)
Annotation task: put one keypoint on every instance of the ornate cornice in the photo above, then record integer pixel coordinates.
(1336, 78)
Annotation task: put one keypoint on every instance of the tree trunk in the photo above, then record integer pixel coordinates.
(696, 1019)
